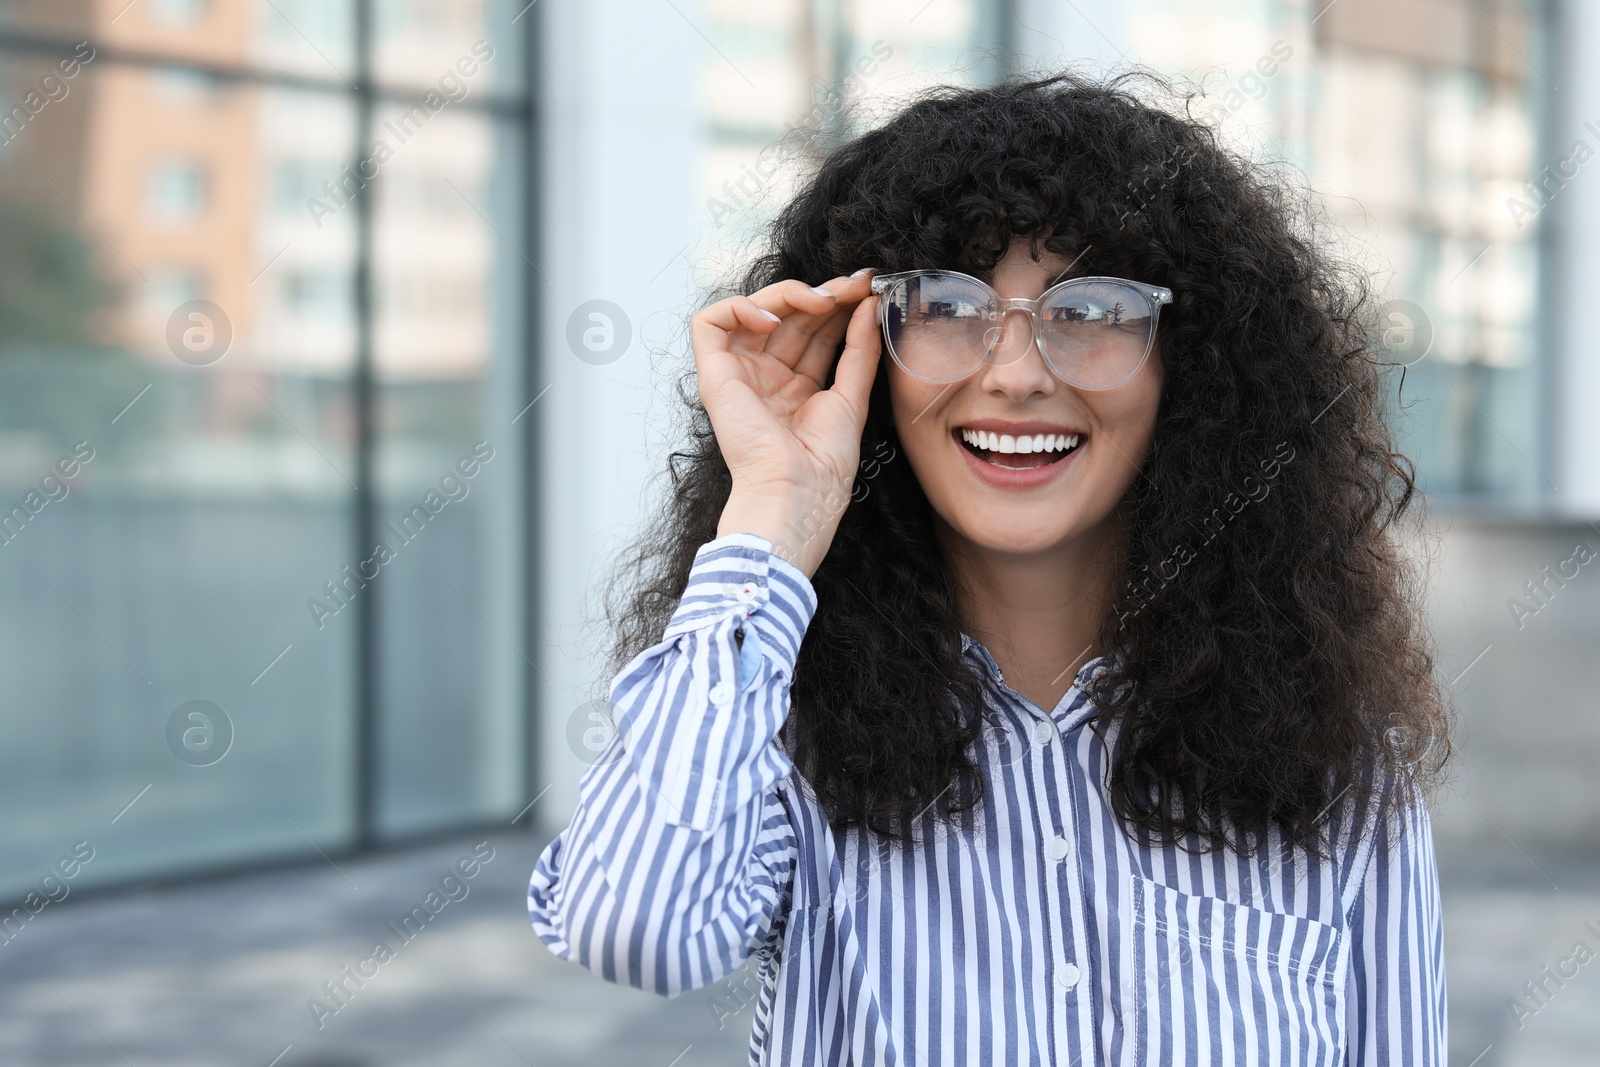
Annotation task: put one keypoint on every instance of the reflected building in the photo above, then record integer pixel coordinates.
(363, 347)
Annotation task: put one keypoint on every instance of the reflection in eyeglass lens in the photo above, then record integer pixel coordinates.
(1097, 333)
(942, 328)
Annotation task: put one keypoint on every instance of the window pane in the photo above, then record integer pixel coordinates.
(459, 49)
(449, 281)
(782, 82)
(1417, 124)
(175, 365)
(314, 38)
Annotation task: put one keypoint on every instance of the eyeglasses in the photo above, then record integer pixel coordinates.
(1094, 332)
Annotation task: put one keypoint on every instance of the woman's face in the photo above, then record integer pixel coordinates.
(1033, 503)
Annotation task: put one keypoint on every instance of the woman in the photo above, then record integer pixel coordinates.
(1052, 691)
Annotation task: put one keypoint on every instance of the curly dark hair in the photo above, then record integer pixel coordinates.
(1268, 654)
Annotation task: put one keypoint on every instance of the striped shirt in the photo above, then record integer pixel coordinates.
(1044, 935)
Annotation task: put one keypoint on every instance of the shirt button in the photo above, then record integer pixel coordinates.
(1043, 732)
(1057, 848)
(747, 592)
(1068, 976)
(721, 693)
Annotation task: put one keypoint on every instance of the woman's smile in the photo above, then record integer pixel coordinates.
(1018, 455)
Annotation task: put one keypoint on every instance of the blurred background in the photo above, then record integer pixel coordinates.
(285, 280)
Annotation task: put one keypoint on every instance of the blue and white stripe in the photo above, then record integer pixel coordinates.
(1044, 935)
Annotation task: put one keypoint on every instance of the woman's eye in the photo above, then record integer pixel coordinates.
(943, 309)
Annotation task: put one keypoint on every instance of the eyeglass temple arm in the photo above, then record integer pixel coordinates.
(880, 282)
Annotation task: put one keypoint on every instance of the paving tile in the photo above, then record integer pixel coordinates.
(219, 974)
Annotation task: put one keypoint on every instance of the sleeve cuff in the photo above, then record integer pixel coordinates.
(738, 575)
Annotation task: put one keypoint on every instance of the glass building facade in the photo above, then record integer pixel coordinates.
(266, 297)
(272, 292)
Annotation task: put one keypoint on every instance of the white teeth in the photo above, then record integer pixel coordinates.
(1008, 444)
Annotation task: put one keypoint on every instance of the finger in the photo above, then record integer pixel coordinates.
(858, 364)
(730, 314)
(851, 287)
(803, 309)
(713, 329)
(793, 297)
(823, 347)
(824, 344)
(808, 310)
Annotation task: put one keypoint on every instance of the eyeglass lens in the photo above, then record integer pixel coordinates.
(942, 327)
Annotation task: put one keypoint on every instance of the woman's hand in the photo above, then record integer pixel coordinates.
(791, 445)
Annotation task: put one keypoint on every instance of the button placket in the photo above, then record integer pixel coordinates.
(1062, 879)
(1059, 893)
(1070, 995)
(749, 596)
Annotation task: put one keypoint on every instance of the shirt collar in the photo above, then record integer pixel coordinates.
(1074, 709)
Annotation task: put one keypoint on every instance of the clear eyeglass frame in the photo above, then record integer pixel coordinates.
(1156, 294)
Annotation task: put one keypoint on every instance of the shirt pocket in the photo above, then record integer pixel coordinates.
(1206, 981)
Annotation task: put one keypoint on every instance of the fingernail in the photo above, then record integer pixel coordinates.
(860, 272)
(821, 290)
(769, 314)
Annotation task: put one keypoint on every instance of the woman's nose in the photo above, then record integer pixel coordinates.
(1015, 365)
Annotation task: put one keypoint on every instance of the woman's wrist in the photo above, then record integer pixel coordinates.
(800, 529)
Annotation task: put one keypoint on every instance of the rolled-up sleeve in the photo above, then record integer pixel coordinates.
(677, 863)
(1396, 994)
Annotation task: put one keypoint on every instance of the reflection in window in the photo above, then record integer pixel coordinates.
(426, 19)
(177, 190)
(1434, 140)
(784, 79)
(297, 181)
(171, 286)
(314, 293)
(183, 85)
(226, 483)
(1418, 143)
(297, 20)
(178, 12)
(430, 295)
(428, 193)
